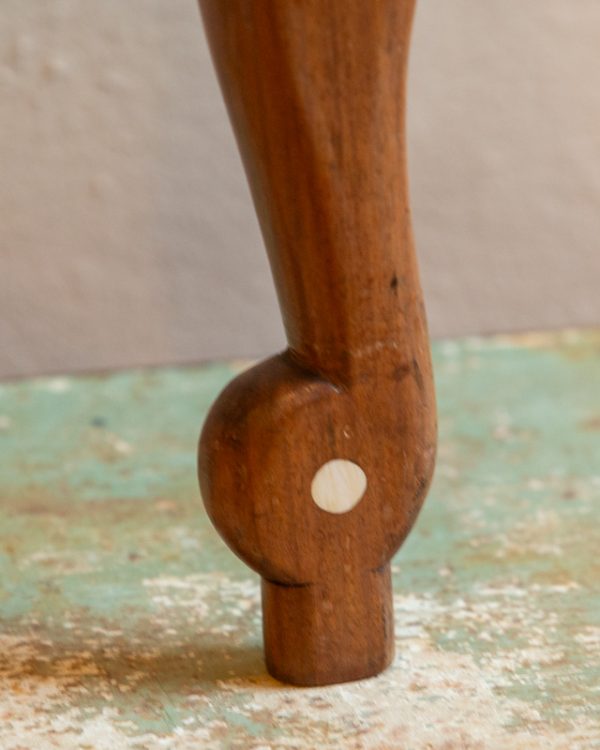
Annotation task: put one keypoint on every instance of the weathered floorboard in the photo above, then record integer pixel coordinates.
(126, 623)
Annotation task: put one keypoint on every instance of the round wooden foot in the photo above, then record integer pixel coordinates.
(320, 634)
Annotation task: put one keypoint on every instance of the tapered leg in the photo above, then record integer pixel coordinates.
(314, 464)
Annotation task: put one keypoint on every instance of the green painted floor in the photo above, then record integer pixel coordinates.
(126, 623)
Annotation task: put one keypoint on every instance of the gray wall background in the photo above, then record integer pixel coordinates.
(127, 233)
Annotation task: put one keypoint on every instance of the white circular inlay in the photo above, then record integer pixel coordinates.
(338, 486)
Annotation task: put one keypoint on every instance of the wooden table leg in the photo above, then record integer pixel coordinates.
(314, 464)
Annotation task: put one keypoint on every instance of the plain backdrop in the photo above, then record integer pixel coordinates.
(127, 232)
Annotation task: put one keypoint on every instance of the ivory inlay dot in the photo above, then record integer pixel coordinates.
(338, 486)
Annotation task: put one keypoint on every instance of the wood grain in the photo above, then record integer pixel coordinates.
(316, 92)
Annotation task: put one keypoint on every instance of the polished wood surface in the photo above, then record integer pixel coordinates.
(316, 92)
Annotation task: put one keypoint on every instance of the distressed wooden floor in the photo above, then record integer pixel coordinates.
(126, 623)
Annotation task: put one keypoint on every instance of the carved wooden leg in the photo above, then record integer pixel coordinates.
(314, 464)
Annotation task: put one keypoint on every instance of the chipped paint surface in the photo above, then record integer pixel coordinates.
(126, 623)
